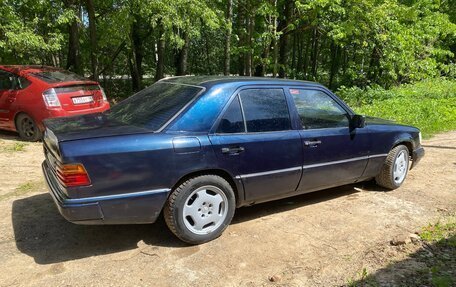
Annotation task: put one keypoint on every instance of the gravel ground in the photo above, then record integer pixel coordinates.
(326, 238)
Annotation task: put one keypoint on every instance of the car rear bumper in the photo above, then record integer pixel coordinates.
(417, 155)
(130, 208)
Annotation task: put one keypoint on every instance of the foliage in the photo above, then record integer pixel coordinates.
(339, 42)
(430, 104)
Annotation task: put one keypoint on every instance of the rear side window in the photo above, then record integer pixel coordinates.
(265, 110)
(57, 76)
(232, 121)
(23, 83)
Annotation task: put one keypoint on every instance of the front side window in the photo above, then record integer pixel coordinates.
(318, 110)
(265, 110)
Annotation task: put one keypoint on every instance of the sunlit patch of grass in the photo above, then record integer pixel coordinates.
(362, 278)
(440, 231)
(16, 147)
(429, 105)
(23, 189)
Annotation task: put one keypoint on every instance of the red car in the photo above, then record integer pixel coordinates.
(30, 94)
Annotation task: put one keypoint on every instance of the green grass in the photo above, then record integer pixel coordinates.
(443, 237)
(440, 231)
(18, 146)
(429, 105)
(22, 190)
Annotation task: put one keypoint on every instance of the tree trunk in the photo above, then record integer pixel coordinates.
(284, 38)
(207, 50)
(182, 57)
(314, 53)
(93, 39)
(159, 71)
(74, 56)
(134, 72)
(274, 44)
(241, 27)
(249, 54)
(305, 68)
(334, 64)
(229, 28)
(293, 56)
(137, 53)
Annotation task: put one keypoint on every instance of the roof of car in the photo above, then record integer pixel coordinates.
(209, 81)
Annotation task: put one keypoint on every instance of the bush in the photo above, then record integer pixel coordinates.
(429, 105)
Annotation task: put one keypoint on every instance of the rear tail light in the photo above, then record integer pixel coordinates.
(51, 99)
(71, 175)
(103, 94)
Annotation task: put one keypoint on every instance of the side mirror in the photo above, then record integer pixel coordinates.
(358, 121)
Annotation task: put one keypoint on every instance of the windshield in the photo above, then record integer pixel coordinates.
(152, 107)
(57, 76)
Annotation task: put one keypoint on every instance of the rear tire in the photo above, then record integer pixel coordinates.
(200, 209)
(27, 128)
(395, 168)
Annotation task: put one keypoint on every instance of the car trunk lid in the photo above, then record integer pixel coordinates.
(88, 126)
(79, 96)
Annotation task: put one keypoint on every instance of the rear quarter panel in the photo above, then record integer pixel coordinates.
(134, 163)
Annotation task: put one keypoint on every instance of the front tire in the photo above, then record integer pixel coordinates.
(27, 128)
(200, 209)
(395, 168)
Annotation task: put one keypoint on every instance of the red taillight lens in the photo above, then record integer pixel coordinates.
(51, 99)
(73, 175)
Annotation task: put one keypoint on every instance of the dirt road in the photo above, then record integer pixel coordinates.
(321, 239)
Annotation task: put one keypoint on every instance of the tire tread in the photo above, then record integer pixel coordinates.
(384, 178)
(169, 211)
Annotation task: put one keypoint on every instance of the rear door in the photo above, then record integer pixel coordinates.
(254, 140)
(334, 153)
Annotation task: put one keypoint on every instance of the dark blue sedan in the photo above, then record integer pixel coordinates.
(198, 147)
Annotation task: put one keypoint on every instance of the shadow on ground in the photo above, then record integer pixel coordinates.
(7, 135)
(41, 232)
(432, 265)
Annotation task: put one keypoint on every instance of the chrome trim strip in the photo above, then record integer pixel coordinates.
(378, 155)
(268, 172)
(308, 166)
(334, 162)
(114, 196)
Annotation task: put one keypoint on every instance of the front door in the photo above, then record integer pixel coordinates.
(334, 153)
(254, 140)
(7, 97)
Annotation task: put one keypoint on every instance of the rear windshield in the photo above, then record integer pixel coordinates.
(57, 76)
(152, 107)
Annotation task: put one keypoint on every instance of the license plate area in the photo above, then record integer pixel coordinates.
(82, 100)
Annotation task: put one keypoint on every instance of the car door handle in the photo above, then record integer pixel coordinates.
(233, 150)
(313, 143)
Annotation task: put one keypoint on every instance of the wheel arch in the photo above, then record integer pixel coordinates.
(406, 140)
(237, 186)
